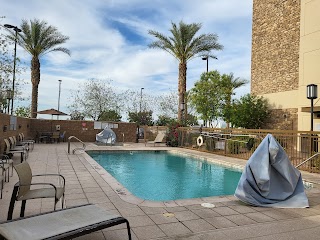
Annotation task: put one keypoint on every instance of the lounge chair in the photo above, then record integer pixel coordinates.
(62, 224)
(22, 190)
(9, 152)
(159, 138)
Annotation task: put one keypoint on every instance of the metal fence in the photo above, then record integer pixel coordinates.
(241, 143)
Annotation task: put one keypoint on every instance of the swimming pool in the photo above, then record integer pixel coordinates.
(164, 176)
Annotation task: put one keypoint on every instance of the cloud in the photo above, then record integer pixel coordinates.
(109, 38)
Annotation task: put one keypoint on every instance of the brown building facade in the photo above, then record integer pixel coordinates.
(285, 59)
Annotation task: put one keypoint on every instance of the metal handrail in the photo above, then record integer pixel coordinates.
(83, 144)
(308, 159)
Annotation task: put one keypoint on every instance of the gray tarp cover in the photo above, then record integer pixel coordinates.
(106, 136)
(270, 180)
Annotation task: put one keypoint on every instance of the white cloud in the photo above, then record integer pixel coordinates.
(100, 50)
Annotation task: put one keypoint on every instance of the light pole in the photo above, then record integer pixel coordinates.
(312, 93)
(9, 95)
(140, 99)
(59, 96)
(206, 59)
(16, 29)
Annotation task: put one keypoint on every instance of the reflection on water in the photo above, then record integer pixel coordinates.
(163, 176)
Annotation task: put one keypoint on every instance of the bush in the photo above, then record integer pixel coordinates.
(172, 135)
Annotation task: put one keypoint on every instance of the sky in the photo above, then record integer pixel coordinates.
(109, 40)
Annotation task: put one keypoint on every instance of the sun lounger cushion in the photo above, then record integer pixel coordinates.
(69, 222)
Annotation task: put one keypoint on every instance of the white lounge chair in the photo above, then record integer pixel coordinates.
(159, 138)
(62, 224)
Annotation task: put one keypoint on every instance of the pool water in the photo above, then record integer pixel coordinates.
(163, 176)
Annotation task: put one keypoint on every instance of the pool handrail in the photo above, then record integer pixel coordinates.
(73, 151)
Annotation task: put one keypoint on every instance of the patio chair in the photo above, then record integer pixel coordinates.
(66, 223)
(6, 162)
(159, 138)
(22, 190)
(55, 137)
(15, 146)
(9, 152)
(21, 140)
(62, 136)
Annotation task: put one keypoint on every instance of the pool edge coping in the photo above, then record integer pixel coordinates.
(128, 197)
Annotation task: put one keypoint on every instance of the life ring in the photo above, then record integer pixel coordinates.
(200, 141)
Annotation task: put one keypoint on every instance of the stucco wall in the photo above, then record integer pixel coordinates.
(309, 70)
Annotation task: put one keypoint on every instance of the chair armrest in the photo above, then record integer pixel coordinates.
(50, 184)
(52, 174)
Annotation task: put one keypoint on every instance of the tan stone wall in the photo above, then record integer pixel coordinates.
(275, 46)
(283, 119)
(125, 131)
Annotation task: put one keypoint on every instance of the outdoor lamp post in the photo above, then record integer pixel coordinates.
(9, 96)
(206, 59)
(59, 96)
(140, 99)
(312, 93)
(16, 29)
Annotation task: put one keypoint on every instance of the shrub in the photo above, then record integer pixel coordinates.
(172, 135)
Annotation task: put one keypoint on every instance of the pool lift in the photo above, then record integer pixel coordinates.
(106, 136)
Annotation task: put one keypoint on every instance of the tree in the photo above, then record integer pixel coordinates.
(230, 83)
(110, 115)
(207, 96)
(76, 115)
(23, 112)
(6, 69)
(141, 118)
(94, 97)
(164, 120)
(250, 112)
(184, 45)
(168, 104)
(38, 38)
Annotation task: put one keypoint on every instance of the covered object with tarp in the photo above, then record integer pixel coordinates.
(106, 136)
(270, 180)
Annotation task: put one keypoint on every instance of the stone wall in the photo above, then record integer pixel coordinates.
(275, 46)
(283, 119)
(84, 130)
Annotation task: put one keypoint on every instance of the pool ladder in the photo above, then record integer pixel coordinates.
(77, 148)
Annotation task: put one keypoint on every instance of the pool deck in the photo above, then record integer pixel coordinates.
(87, 182)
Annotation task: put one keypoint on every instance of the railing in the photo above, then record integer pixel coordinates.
(241, 143)
(78, 148)
(308, 160)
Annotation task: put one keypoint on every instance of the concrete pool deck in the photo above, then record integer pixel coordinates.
(181, 219)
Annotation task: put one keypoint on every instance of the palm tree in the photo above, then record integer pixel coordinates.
(230, 84)
(184, 46)
(38, 38)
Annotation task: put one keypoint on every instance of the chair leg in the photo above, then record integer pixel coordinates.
(1, 188)
(62, 199)
(128, 228)
(23, 208)
(12, 202)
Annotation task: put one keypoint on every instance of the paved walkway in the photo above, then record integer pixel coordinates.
(86, 182)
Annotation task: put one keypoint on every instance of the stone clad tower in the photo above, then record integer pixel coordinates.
(275, 58)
